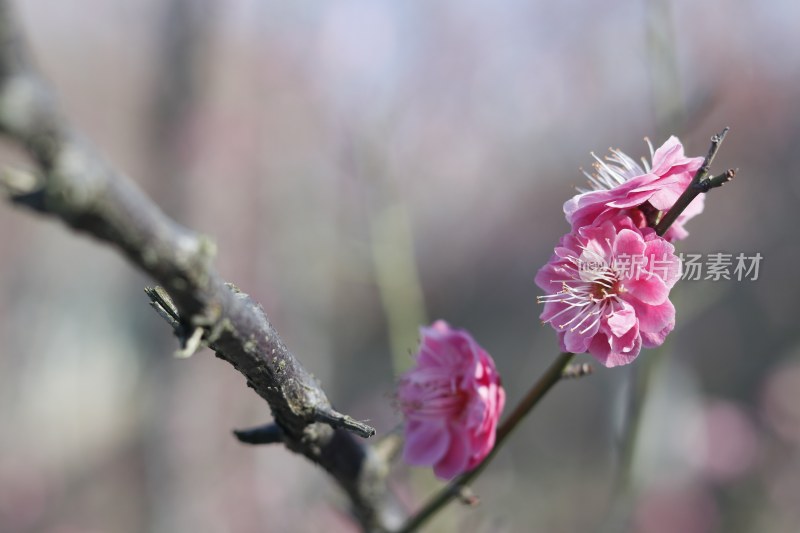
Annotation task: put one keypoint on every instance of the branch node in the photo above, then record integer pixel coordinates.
(468, 497)
(717, 181)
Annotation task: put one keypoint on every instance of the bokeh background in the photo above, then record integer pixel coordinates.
(367, 166)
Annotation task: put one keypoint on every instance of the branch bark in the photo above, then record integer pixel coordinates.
(75, 184)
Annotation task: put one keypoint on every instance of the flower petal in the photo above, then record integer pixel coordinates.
(655, 318)
(653, 340)
(577, 342)
(600, 347)
(622, 321)
(425, 443)
(629, 243)
(646, 288)
(455, 461)
(624, 350)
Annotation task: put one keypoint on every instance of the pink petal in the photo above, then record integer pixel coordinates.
(676, 232)
(579, 202)
(651, 291)
(662, 261)
(444, 346)
(600, 347)
(652, 340)
(622, 321)
(624, 351)
(455, 460)
(655, 318)
(599, 238)
(577, 342)
(629, 243)
(425, 443)
(561, 345)
(551, 309)
(433, 350)
(632, 199)
(667, 155)
(549, 279)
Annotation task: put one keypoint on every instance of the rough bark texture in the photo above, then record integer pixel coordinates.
(76, 185)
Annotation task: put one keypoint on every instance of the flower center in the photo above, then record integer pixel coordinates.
(601, 291)
(590, 293)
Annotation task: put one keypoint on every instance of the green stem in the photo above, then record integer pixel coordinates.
(546, 382)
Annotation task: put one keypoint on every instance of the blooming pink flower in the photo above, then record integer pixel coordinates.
(607, 290)
(451, 402)
(620, 184)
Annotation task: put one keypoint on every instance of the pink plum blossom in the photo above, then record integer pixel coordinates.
(607, 290)
(451, 401)
(620, 185)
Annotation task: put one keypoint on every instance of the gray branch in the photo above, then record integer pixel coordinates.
(75, 184)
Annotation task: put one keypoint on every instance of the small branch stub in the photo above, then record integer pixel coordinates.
(468, 497)
(266, 434)
(575, 371)
(717, 181)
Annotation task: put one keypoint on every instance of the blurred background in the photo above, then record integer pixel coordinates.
(368, 166)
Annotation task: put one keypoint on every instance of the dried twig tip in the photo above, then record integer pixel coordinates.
(717, 181)
(720, 136)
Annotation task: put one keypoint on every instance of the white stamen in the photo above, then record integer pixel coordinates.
(587, 294)
(614, 170)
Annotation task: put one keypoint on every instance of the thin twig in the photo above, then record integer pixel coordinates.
(697, 185)
(717, 181)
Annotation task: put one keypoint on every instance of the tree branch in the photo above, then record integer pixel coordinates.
(76, 185)
(699, 184)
